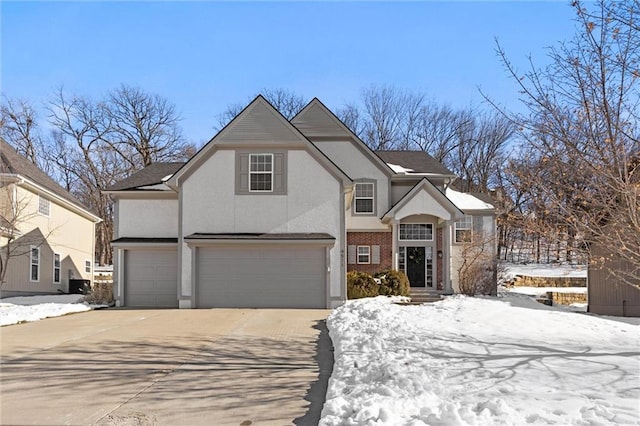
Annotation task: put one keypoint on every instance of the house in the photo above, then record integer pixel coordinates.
(613, 284)
(49, 233)
(273, 213)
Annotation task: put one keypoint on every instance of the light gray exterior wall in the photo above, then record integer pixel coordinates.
(147, 218)
(489, 230)
(312, 204)
(358, 166)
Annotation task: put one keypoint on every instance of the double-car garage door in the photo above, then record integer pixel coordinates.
(231, 276)
(268, 276)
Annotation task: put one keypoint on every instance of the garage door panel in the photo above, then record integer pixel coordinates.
(151, 278)
(269, 276)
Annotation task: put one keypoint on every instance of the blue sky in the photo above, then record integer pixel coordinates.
(203, 56)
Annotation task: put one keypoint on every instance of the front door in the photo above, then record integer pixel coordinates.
(417, 262)
(416, 266)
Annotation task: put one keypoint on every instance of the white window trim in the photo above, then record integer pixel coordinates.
(368, 254)
(85, 266)
(456, 229)
(410, 239)
(271, 173)
(372, 198)
(31, 264)
(59, 268)
(40, 199)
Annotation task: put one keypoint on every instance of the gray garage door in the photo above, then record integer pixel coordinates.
(269, 276)
(151, 278)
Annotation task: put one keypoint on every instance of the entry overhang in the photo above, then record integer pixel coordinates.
(423, 198)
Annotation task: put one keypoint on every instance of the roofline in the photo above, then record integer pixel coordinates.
(384, 167)
(174, 181)
(410, 194)
(21, 180)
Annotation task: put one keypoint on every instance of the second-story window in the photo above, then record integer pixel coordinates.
(44, 206)
(365, 198)
(261, 172)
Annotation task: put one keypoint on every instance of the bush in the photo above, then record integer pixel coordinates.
(361, 284)
(393, 283)
(100, 294)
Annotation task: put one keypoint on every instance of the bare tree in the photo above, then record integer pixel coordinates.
(477, 272)
(582, 125)
(19, 128)
(144, 124)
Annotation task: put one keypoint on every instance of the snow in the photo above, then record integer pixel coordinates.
(480, 361)
(538, 270)
(465, 201)
(14, 310)
(539, 291)
(399, 169)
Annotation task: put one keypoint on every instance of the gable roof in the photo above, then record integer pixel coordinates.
(415, 161)
(316, 120)
(259, 122)
(11, 162)
(153, 174)
(425, 186)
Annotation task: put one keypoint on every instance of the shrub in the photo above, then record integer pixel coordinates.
(100, 294)
(393, 283)
(361, 284)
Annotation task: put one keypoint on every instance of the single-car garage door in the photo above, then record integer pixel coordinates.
(264, 276)
(151, 278)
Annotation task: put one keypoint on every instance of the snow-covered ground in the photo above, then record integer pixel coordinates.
(480, 361)
(540, 270)
(14, 310)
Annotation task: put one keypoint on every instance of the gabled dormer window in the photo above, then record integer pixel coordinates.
(261, 173)
(365, 199)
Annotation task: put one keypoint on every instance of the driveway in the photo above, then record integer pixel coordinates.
(177, 367)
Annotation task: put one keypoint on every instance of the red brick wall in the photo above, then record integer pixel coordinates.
(382, 239)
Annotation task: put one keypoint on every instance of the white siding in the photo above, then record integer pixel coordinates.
(147, 218)
(312, 204)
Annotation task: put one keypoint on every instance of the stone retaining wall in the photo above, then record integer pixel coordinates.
(527, 281)
(566, 298)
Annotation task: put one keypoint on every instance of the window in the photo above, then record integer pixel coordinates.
(364, 200)
(416, 231)
(364, 254)
(43, 206)
(462, 229)
(35, 264)
(87, 266)
(260, 172)
(56, 268)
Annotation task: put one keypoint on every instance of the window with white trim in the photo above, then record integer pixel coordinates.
(260, 172)
(34, 264)
(364, 198)
(416, 232)
(364, 255)
(462, 229)
(56, 268)
(87, 266)
(44, 206)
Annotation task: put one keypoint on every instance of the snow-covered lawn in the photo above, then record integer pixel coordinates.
(539, 270)
(480, 361)
(14, 310)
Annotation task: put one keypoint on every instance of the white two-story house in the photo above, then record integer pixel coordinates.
(273, 213)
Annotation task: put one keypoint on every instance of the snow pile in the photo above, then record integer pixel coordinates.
(15, 310)
(465, 201)
(399, 169)
(480, 361)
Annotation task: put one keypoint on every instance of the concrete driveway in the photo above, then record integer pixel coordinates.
(177, 367)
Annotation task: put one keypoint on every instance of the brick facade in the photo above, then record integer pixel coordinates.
(382, 239)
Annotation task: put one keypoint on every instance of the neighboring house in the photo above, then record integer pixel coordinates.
(52, 233)
(272, 213)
